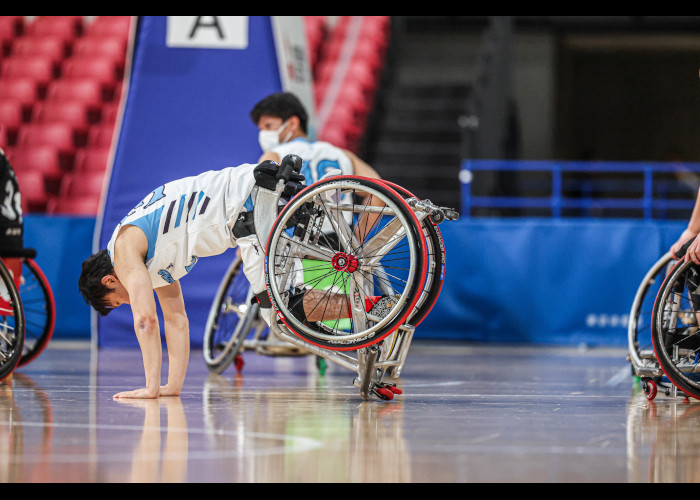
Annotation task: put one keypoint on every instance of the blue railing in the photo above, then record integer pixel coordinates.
(643, 189)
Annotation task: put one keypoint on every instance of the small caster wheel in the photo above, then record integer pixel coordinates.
(384, 393)
(238, 363)
(321, 365)
(394, 389)
(649, 388)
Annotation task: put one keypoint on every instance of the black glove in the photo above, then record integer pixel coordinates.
(266, 175)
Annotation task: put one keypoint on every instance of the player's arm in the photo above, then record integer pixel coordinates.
(360, 167)
(691, 231)
(177, 336)
(130, 250)
(269, 156)
(367, 222)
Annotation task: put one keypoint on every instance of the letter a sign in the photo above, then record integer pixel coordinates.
(208, 32)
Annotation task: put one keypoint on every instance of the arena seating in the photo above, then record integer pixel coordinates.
(61, 81)
(351, 61)
(60, 85)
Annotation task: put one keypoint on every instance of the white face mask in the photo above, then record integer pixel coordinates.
(268, 139)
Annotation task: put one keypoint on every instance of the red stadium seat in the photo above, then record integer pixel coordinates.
(110, 113)
(49, 46)
(11, 113)
(74, 113)
(104, 45)
(82, 183)
(23, 90)
(91, 159)
(76, 205)
(44, 159)
(38, 68)
(91, 67)
(32, 190)
(10, 28)
(85, 89)
(110, 26)
(65, 27)
(100, 135)
(58, 135)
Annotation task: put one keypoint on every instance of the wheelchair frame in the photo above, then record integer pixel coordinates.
(372, 362)
(37, 308)
(642, 358)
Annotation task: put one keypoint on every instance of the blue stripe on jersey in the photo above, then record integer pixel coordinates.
(249, 204)
(179, 210)
(150, 225)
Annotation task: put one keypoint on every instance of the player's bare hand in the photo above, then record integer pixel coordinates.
(693, 252)
(136, 394)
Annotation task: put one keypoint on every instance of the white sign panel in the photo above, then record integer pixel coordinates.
(293, 61)
(208, 32)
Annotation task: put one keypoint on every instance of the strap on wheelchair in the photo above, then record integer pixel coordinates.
(267, 175)
(263, 299)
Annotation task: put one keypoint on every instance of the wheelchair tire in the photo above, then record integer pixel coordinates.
(356, 269)
(39, 311)
(230, 319)
(675, 331)
(12, 328)
(436, 263)
(640, 349)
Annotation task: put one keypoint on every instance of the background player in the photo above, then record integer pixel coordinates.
(282, 122)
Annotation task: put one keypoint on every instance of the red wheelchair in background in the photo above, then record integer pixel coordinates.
(27, 306)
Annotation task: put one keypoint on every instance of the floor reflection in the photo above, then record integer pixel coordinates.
(663, 440)
(355, 442)
(569, 418)
(150, 462)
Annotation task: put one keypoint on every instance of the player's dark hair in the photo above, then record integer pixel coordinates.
(90, 284)
(283, 105)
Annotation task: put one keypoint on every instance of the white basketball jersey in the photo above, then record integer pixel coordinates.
(319, 158)
(189, 218)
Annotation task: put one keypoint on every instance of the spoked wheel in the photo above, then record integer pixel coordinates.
(435, 276)
(325, 289)
(39, 311)
(12, 329)
(640, 350)
(675, 327)
(230, 319)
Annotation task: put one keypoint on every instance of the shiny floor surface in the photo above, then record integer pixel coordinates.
(468, 414)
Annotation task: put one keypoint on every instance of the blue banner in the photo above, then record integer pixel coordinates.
(187, 111)
(566, 281)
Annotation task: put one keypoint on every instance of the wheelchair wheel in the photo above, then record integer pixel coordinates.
(379, 252)
(641, 352)
(675, 328)
(435, 277)
(39, 311)
(230, 319)
(12, 327)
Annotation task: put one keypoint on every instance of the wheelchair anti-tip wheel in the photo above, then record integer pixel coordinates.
(12, 329)
(353, 289)
(675, 327)
(230, 319)
(39, 311)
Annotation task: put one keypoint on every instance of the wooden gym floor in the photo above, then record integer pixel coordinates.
(469, 413)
